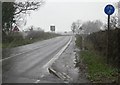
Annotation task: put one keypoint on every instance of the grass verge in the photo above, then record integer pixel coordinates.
(98, 70)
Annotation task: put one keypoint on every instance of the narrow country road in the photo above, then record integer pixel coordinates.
(48, 61)
(27, 64)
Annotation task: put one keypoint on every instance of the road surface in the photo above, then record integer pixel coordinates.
(48, 61)
(27, 64)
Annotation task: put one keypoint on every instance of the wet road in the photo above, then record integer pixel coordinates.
(65, 66)
(29, 63)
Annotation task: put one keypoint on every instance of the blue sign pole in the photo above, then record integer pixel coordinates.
(109, 10)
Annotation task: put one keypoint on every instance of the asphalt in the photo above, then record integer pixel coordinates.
(65, 66)
(48, 61)
(25, 64)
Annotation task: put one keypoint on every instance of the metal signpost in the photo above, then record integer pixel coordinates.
(109, 10)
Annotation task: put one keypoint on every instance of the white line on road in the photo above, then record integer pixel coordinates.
(12, 56)
(37, 81)
(57, 55)
(18, 54)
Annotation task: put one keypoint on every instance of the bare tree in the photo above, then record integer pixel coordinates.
(118, 14)
(114, 22)
(25, 8)
(76, 26)
(92, 26)
(15, 12)
(73, 27)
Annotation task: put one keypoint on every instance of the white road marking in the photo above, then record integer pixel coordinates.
(57, 55)
(37, 81)
(12, 56)
(19, 54)
(66, 82)
(16, 55)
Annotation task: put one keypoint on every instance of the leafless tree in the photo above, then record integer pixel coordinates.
(114, 22)
(25, 8)
(92, 26)
(73, 27)
(76, 26)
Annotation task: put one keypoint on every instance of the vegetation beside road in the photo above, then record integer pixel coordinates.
(98, 70)
(99, 44)
(10, 41)
(94, 56)
(13, 16)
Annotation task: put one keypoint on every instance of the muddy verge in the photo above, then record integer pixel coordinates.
(67, 66)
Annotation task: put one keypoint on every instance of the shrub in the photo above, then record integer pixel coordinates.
(99, 42)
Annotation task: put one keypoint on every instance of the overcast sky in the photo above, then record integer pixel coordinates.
(62, 13)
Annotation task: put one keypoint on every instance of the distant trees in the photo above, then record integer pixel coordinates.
(88, 27)
(34, 32)
(118, 14)
(115, 19)
(92, 26)
(114, 22)
(75, 26)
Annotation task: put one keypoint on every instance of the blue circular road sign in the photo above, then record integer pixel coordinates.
(109, 9)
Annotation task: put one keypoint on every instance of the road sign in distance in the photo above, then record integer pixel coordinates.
(52, 28)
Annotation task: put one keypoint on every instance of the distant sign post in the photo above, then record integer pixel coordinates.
(52, 28)
(109, 10)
